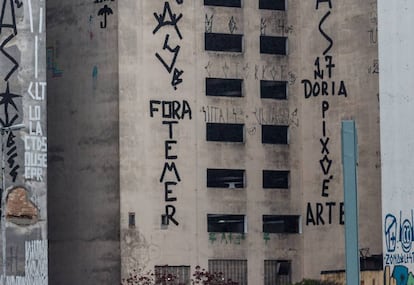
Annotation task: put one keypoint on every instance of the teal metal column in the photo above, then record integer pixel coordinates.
(349, 162)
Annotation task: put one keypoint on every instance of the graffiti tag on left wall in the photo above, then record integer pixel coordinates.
(170, 50)
(104, 12)
(9, 100)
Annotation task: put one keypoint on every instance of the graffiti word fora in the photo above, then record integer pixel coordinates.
(169, 18)
(171, 109)
(170, 112)
(319, 214)
(226, 238)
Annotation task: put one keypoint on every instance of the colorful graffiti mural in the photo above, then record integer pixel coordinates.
(399, 238)
(400, 275)
(398, 246)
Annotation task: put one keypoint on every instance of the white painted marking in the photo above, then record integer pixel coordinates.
(30, 15)
(41, 21)
(36, 55)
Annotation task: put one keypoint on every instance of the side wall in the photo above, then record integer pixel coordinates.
(83, 143)
(396, 46)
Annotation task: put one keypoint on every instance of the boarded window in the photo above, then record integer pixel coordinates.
(225, 178)
(223, 3)
(236, 270)
(287, 224)
(172, 274)
(273, 89)
(223, 42)
(275, 179)
(225, 132)
(224, 87)
(272, 4)
(273, 134)
(273, 45)
(277, 272)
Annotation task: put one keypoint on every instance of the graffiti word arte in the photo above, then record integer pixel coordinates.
(322, 213)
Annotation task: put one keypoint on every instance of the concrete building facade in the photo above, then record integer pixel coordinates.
(208, 133)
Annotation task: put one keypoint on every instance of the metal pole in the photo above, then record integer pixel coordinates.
(3, 208)
(349, 161)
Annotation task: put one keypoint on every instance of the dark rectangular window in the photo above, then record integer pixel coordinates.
(275, 179)
(223, 3)
(281, 224)
(272, 134)
(224, 87)
(277, 272)
(223, 42)
(273, 45)
(219, 132)
(273, 89)
(218, 223)
(225, 178)
(131, 220)
(165, 274)
(235, 270)
(272, 4)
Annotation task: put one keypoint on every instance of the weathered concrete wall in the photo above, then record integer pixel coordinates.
(143, 78)
(24, 142)
(83, 142)
(396, 87)
(341, 34)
